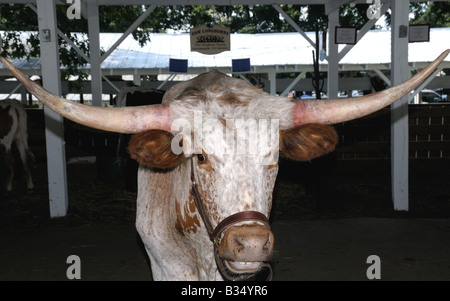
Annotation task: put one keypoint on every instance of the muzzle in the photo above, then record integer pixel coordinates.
(215, 235)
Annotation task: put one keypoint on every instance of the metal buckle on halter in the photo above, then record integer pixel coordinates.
(216, 241)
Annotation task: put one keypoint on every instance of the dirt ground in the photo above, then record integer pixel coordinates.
(335, 249)
(326, 225)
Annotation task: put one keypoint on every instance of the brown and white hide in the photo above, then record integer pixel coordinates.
(13, 129)
(229, 181)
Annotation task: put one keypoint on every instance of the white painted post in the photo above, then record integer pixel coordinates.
(273, 82)
(54, 128)
(333, 56)
(399, 109)
(137, 80)
(94, 45)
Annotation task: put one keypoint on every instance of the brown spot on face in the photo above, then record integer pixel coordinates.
(193, 92)
(189, 222)
(207, 180)
(247, 208)
(229, 97)
(6, 121)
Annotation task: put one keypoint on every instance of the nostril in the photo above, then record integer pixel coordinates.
(269, 242)
(238, 246)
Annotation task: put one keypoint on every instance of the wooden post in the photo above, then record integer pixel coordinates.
(399, 109)
(273, 82)
(333, 56)
(95, 59)
(54, 128)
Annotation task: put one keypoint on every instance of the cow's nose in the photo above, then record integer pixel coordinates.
(247, 243)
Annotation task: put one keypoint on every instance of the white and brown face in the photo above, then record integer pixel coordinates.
(232, 183)
(235, 170)
(233, 139)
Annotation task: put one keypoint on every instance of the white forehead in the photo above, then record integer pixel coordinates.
(255, 139)
(225, 129)
(261, 106)
(214, 113)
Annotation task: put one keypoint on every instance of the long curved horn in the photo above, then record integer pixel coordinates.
(121, 120)
(341, 110)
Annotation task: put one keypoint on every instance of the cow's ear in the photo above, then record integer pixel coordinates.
(307, 141)
(153, 149)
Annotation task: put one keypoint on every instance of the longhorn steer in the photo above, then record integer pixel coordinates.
(13, 128)
(198, 180)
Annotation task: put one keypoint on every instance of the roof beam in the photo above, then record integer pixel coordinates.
(383, 77)
(294, 25)
(291, 85)
(365, 29)
(130, 29)
(204, 2)
(424, 84)
(64, 37)
(332, 5)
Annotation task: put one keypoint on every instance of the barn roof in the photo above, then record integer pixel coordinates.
(284, 52)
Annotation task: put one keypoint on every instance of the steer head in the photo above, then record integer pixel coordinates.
(231, 134)
(227, 135)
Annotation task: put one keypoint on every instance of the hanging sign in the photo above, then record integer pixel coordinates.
(176, 65)
(240, 65)
(345, 35)
(419, 33)
(210, 40)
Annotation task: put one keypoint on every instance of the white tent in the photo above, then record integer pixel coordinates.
(268, 52)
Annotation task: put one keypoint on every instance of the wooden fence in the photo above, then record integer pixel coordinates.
(364, 138)
(369, 137)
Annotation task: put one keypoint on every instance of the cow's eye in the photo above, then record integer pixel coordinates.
(201, 158)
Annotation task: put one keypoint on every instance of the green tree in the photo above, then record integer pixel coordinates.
(240, 18)
(437, 14)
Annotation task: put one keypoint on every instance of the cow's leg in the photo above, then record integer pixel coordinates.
(27, 158)
(9, 163)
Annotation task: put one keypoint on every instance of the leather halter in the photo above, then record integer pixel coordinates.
(216, 233)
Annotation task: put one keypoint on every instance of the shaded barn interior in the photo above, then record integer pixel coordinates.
(110, 149)
(362, 153)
